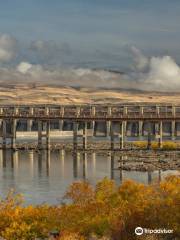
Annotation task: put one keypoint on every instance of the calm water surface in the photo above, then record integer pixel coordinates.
(44, 176)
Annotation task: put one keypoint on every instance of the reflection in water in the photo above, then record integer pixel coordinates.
(40, 163)
(112, 165)
(31, 162)
(4, 158)
(149, 177)
(121, 161)
(44, 176)
(159, 175)
(94, 164)
(48, 156)
(84, 160)
(80, 162)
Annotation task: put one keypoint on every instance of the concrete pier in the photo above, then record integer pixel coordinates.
(149, 145)
(112, 137)
(173, 130)
(140, 128)
(108, 123)
(160, 134)
(39, 134)
(48, 135)
(30, 121)
(61, 122)
(75, 135)
(122, 135)
(13, 134)
(93, 114)
(4, 137)
(85, 136)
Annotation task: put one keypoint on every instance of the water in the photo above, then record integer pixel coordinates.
(44, 176)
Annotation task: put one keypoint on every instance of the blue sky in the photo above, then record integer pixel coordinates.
(98, 33)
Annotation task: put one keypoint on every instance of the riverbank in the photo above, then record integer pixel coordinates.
(132, 158)
(96, 145)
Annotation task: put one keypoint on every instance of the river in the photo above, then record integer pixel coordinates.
(43, 177)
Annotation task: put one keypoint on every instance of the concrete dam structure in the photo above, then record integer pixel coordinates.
(115, 122)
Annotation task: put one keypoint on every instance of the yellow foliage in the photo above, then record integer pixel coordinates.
(154, 145)
(106, 211)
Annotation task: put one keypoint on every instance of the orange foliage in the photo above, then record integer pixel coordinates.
(106, 211)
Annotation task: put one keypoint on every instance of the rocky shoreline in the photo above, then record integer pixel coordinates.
(129, 159)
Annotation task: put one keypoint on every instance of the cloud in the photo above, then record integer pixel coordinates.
(28, 73)
(24, 67)
(49, 51)
(147, 73)
(163, 74)
(8, 47)
(141, 62)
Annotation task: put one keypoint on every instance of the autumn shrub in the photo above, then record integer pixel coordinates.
(106, 211)
(154, 145)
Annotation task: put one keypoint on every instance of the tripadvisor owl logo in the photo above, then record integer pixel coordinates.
(139, 231)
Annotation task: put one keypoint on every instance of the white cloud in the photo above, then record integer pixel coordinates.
(24, 67)
(141, 61)
(153, 73)
(8, 47)
(163, 74)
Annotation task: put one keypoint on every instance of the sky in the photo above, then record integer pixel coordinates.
(95, 34)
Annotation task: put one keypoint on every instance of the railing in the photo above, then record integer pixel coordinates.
(87, 115)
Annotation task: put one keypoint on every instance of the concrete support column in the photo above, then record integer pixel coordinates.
(61, 122)
(112, 137)
(30, 121)
(141, 110)
(39, 134)
(13, 134)
(140, 128)
(47, 111)
(16, 110)
(125, 110)
(1, 125)
(93, 114)
(108, 123)
(173, 109)
(75, 135)
(173, 129)
(1, 110)
(122, 135)
(156, 129)
(149, 145)
(4, 134)
(157, 110)
(48, 135)
(1, 121)
(160, 134)
(173, 123)
(78, 111)
(85, 136)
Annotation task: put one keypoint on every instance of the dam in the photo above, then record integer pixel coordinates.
(81, 122)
